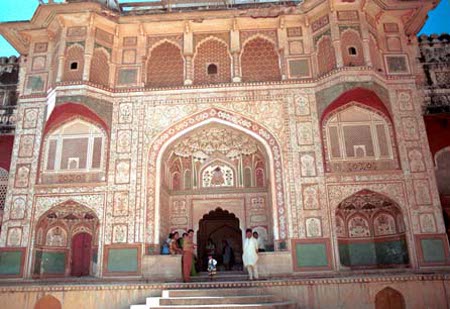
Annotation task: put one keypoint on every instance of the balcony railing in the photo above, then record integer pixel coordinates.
(8, 117)
(169, 5)
(437, 102)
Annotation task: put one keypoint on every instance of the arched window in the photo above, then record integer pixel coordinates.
(75, 146)
(3, 187)
(218, 175)
(356, 133)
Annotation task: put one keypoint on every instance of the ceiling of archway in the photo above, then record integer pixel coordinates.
(207, 141)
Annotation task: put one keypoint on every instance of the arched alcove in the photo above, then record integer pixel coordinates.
(371, 232)
(220, 161)
(65, 241)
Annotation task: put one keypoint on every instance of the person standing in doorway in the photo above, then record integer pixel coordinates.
(260, 240)
(188, 254)
(250, 256)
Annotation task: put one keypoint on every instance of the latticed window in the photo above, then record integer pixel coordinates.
(218, 175)
(358, 134)
(3, 187)
(76, 146)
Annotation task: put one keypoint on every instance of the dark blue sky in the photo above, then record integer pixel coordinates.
(438, 20)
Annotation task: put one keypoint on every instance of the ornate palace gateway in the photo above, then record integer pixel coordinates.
(299, 120)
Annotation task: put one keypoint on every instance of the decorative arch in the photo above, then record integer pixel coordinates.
(99, 71)
(165, 65)
(217, 173)
(215, 51)
(66, 112)
(260, 60)
(213, 115)
(358, 134)
(326, 56)
(388, 298)
(74, 54)
(61, 116)
(351, 38)
(368, 232)
(54, 233)
(361, 95)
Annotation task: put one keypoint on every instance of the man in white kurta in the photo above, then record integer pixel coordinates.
(250, 256)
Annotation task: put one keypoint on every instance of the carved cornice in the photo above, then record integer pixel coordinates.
(99, 285)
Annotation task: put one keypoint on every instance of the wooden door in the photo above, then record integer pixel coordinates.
(81, 254)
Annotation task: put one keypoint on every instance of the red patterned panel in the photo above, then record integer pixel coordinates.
(259, 61)
(74, 54)
(165, 66)
(351, 39)
(99, 68)
(326, 57)
(212, 52)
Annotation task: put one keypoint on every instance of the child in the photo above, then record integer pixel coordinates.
(212, 263)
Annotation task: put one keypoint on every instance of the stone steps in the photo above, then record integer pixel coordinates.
(215, 298)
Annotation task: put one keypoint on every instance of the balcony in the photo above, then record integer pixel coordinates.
(8, 117)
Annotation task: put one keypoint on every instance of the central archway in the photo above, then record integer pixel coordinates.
(155, 207)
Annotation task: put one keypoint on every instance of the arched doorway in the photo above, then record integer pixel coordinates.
(217, 227)
(81, 254)
(389, 298)
(66, 241)
(161, 201)
(215, 166)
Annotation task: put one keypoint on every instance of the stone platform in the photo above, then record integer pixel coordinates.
(419, 290)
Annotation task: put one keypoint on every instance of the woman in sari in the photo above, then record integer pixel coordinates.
(187, 259)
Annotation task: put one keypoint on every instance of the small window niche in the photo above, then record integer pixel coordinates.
(74, 66)
(212, 69)
(352, 51)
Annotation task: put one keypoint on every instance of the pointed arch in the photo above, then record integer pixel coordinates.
(326, 55)
(358, 127)
(74, 63)
(165, 65)
(352, 48)
(236, 121)
(212, 51)
(99, 71)
(260, 60)
(369, 235)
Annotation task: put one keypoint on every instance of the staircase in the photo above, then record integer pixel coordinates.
(215, 298)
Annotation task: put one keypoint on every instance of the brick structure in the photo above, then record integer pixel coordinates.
(301, 122)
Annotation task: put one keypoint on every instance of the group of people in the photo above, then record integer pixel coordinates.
(185, 246)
